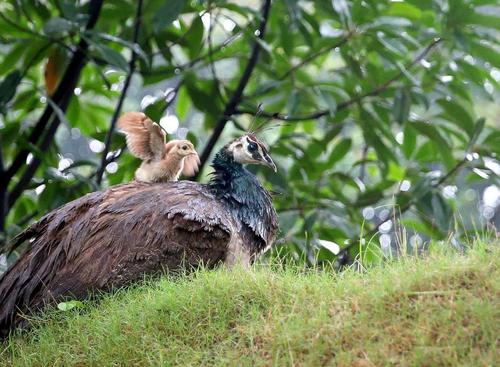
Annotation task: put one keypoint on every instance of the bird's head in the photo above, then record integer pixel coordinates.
(248, 149)
(182, 148)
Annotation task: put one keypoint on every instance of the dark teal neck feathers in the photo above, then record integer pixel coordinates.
(240, 189)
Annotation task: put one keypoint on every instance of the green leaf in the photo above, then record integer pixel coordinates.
(240, 9)
(60, 113)
(477, 131)
(421, 188)
(8, 87)
(66, 306)
(492, 141)
(396, 172)
(287, 40)
(183, 103)
(458, 114)
(69, 9)
(330, 101)
(441, 144)
(372, 137)
(484, 20)
(314, 150)
(441, 212)
(58, 26)
(169, 12)
(293, 102)
(202, 94)
(194, 37)
(158, 74)
(112, 56)
(383, 152)
(474, 73)
(401, 107)
(108, 37)
(156, 110)
(409, 141)
(369, 197)
(11, 59)
(404, 9)
(487, 53)
(306, 34)
(339, 151)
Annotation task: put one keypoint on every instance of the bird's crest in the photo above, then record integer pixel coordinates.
(257, 127)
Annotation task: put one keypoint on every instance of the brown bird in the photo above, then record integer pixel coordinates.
(160, 162)
(110, 238)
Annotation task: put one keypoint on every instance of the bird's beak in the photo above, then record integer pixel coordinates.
(267, 161)
(195, 153)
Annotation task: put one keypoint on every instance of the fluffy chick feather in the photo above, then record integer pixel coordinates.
(161, 162)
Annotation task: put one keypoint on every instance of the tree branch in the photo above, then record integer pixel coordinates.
(306, 61)
(61, 98)
(318, 53)
(343, 105)
(238, 93)
(210, 52)
(3, 195)
(451, 172)
(116, 114)
(33, 164)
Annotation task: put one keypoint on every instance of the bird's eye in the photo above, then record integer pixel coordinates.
(252, 147)
(184, 147)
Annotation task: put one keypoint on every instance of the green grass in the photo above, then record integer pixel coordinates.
(439, 310)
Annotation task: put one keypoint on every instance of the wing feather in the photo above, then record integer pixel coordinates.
(145, 138)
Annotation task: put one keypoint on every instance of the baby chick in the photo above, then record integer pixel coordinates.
(161, 162)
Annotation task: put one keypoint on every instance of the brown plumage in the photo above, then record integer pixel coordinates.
(110, 238)
(160, 162)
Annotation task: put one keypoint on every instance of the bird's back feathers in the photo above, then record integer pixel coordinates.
(109, 238)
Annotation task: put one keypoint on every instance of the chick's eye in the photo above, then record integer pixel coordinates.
(184, 147)
(252, 147)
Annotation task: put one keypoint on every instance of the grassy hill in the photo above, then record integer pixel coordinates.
(442, 310)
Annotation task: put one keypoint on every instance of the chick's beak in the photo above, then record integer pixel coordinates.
(195, 154)
(192, 151)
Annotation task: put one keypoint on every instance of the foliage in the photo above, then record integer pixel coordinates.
(439, 311)
(369, 106)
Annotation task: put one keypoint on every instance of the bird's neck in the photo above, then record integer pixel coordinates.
(227, 171)
(173, 156)
(234, 183)
(247, 199)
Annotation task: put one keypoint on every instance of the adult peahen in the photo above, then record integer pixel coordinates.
(110, 238)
